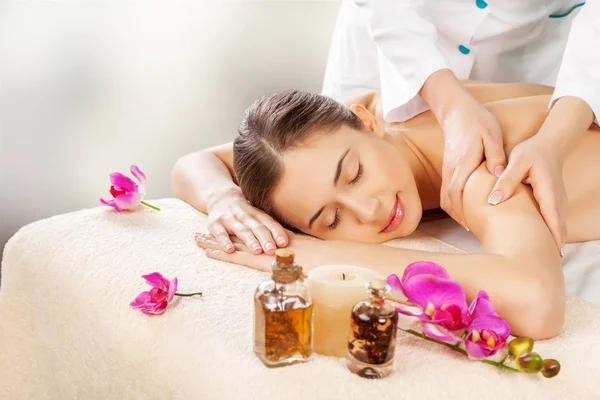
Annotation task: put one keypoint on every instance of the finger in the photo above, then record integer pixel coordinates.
(445, 204)
(221, 235)
(259, 231)
(260, 262)
(495, 157)
(277, 231)
(457, 187)
(240, 246)
(552, 213)
(246, 235)
(206, 243)
(509, 182)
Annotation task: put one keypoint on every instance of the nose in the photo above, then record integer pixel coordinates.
(365, 209)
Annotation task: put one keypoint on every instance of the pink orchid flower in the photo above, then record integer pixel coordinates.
(488, 332)
(127, 194)
(156, 300)
(442, 301)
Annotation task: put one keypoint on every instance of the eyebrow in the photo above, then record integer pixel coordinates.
(338, 172)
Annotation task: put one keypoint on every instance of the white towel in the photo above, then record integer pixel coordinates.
(67, 331)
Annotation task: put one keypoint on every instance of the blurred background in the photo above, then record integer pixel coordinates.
(89, 87)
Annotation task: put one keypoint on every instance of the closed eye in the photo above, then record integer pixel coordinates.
(336, 220)
(358, 174)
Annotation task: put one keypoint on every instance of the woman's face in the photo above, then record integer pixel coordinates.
(348, 185)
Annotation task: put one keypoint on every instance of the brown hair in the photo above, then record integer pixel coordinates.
(274, 124)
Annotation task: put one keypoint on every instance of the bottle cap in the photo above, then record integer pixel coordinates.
(284, 256)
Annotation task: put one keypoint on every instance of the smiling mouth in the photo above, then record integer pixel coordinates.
(395, 217)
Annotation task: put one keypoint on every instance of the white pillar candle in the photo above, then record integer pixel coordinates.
(335, 289)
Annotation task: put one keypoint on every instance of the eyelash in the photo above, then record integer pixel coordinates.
(358, 175)
(336, 219)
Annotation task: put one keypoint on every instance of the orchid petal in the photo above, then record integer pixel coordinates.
(475, 351)
(490, 322)
(424, 268)
(395, 284)
(110, 203)
(172, 289)
(424, 289)
(121, 182)
(140, 300)
(157, 280)
(139, 175)
(158, 309)
(439, 333)
(481, 306)
(127, 201)
(404, 311)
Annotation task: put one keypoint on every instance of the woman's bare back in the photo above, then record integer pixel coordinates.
(521, 111)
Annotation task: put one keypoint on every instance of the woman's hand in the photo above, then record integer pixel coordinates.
(234, 216)
(309, 252)
(471, 133)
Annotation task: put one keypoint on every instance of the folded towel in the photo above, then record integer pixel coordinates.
(67, 331)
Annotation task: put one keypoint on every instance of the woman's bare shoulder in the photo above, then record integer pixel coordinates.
(512, 228)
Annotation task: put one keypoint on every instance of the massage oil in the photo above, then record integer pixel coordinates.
(372, 335)
(283, 315)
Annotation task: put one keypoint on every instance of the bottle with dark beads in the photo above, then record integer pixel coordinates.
(372, 334)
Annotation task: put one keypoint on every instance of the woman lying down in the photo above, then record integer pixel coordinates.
(338, 173)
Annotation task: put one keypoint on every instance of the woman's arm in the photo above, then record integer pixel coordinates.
(205, 180)
(520, 270)
(205, 177)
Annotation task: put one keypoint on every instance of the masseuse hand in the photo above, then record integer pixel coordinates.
(471, 133)
(232, 215)
(536, 162)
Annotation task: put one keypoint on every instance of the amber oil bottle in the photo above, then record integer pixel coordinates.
(283, 315)
(372, 334)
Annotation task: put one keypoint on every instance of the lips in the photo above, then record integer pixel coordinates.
(395, 217)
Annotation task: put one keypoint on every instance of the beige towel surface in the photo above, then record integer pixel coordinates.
(67, 331)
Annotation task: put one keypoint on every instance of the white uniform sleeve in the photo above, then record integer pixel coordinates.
(579, 74)
(408, 54)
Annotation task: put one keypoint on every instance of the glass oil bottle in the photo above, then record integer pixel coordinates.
(372, 334)
(283, 315)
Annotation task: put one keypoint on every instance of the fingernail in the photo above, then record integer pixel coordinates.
(495, 198)
(281, 240)
(255, 246)
(562, 250)
(270, 246)
(499, 170)
(212, 252)
(229, 247)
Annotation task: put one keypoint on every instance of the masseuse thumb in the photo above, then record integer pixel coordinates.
(507, 184)
(495, 158)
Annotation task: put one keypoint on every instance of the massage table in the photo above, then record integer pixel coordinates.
(67, 331)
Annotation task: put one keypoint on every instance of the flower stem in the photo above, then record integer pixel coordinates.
(456, 348)
(188, 294)
(150, 205)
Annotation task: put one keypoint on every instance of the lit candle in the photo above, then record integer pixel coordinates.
(335, 289)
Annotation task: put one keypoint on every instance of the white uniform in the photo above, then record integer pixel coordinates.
(394, 45)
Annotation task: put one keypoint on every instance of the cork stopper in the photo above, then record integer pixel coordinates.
(378, 287)
(284, 269)
(284, 256)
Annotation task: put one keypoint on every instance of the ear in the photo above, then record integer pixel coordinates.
(368, 119)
